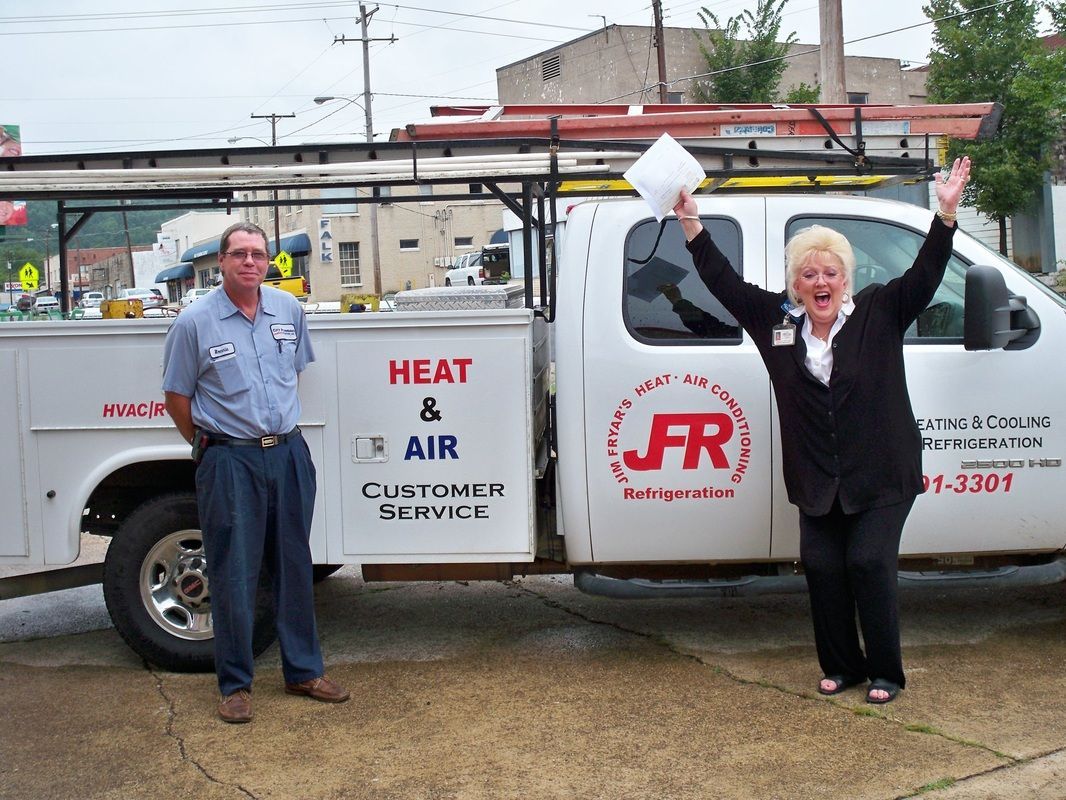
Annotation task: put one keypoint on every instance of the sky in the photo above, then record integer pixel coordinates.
(163, 74)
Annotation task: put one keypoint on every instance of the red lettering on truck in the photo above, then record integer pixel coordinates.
(146, 410)
(429, 370)
(694, 438)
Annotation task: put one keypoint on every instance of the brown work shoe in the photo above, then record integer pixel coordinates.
(236, 707)
(321, 688)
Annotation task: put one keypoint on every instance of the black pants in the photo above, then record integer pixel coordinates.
(850, 561)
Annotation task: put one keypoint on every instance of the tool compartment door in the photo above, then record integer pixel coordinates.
(436, 457)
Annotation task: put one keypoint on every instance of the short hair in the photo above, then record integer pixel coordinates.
(243, 227)
(816, 239)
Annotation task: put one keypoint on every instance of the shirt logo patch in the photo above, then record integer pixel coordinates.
(222, 351)
(283, 333)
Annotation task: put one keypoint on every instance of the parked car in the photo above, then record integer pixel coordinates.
(192, 294)
(44, 304)
(149, 298)
(91, 300)
(24, 303)
(466, 271)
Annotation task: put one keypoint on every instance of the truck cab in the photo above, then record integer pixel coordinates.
(648, 346)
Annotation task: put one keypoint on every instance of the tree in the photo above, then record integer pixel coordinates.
(993, 52)
(744, 56)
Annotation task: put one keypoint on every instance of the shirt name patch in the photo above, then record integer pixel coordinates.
(222, 351)
(283, 333)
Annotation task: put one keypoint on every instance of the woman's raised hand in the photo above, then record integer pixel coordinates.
(686, 206)
(949, 190)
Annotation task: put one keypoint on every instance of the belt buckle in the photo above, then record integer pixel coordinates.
(268, 441)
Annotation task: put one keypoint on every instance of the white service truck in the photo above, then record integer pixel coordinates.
(428, 427)
(647, 462)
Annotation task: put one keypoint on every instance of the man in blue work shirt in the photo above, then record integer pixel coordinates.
(230, 374)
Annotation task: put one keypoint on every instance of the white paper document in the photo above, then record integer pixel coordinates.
(662, 172)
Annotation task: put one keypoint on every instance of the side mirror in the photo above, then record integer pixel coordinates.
(996, 319)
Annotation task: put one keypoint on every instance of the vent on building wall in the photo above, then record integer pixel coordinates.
(550, 68)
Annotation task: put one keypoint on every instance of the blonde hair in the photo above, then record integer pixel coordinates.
(816, 239)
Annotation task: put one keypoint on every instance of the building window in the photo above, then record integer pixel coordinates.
(675, 97)
(858, 98)
(476, 188)
(382, 191)
(408, 244)
(425, 189)
(464, 241)
(550, 67)
(349, 255)
(339, 193)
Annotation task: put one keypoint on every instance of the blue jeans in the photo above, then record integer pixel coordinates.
(255, 512)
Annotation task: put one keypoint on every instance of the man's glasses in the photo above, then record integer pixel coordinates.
(258, 256)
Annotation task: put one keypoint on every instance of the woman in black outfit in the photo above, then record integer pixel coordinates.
(852, 454)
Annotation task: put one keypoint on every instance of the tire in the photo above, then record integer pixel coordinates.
(158, 591)
(469, 281)
(447, 281)
(319, 572)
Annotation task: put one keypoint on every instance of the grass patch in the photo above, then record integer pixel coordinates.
(922, 729)
(936, 786)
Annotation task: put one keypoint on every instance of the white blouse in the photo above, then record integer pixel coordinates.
(819, 358)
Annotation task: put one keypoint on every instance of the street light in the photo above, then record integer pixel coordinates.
(236, 139)
(320, 100)
(375, 253)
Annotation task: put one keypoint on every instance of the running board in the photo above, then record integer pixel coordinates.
(52, 580)
(751, 585)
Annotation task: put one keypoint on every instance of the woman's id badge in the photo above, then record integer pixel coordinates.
(784, 334)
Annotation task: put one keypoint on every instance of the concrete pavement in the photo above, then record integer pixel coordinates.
(531, 689)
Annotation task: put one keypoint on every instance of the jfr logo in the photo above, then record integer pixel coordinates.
(699, 432)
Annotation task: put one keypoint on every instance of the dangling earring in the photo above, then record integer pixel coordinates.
(846, 297)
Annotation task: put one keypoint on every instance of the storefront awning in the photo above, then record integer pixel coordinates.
(176, 272)
(200, 250)
(297, 244)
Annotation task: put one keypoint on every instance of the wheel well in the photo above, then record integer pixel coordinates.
(130, 486)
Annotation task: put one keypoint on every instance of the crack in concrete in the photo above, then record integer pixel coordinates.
(720, 670)
(1014, 764)
(168, 729)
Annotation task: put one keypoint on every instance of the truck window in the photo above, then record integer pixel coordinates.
(664, 301)
(883, 251)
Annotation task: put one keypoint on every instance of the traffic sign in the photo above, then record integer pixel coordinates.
(283, 261)
(29, 275)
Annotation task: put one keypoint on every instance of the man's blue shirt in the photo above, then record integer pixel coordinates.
(241, 375)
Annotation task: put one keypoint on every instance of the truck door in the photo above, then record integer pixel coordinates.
(677, 402)
(992, 430)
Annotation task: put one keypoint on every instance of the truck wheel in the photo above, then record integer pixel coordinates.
(447, 281)
(158, 590)
(469, 281)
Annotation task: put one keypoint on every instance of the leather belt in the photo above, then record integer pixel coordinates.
(262, 441)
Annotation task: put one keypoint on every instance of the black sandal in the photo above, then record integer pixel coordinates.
(841, 682)
(885, 686)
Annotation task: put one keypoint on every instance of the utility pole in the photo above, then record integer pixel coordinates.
(364, 18)
(660, 48)
(831, 53)
(273, 143)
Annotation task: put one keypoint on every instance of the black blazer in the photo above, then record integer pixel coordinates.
(855, 439)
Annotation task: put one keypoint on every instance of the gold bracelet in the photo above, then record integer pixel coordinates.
(689, 216)
(946, 216)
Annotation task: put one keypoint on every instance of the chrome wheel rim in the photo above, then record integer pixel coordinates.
(175, 588)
